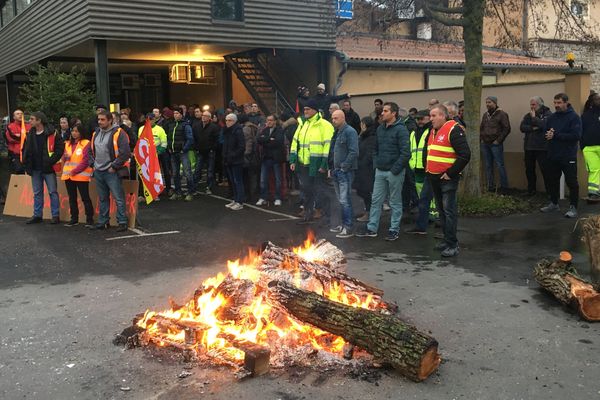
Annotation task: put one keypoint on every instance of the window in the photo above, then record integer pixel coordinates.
(8, 12)
(579, 8)
(228, 10)
(23, 4)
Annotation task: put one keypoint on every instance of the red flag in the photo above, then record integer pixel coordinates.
(148, 165)
(297, 107)
(23, 134)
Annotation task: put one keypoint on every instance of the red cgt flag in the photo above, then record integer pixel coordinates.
(148, 165)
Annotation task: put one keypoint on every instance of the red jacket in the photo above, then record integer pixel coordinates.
(13, 136)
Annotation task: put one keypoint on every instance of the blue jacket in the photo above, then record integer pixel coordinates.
(392, 150)
(567, 132)
(344, 153)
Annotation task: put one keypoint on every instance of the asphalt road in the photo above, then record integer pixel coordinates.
(65, 293)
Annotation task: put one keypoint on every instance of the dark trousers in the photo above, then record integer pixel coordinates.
(251, 176)
(554, 169)
(410, 197)
(444, 192)
(15, 164)
(84, 192)
(312, 188)
(366, 196)
(165, 167)
(425, 198)
(531, 157)
(235, 175)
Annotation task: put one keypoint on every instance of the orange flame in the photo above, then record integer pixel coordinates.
(257, 322)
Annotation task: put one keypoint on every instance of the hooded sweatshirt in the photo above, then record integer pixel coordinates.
(567, 132)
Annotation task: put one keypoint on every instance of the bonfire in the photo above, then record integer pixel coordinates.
(276, 300)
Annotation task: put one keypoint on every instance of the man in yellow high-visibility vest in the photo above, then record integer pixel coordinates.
(308, 155)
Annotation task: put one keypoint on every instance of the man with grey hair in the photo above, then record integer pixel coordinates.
(332, 107)
(234, 145)
(536, 145)
(452, 108)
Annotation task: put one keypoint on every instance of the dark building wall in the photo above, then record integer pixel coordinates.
(44, 28)
(267, 23)
(48, 27)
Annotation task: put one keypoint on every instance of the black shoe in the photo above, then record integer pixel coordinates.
(415, 231)
(308, 221)
(366, 233)
(89, 223)
(531, 193)
(122, 228)
(34, 220)
(55, 220)
(392, 235)
(72, 223)
(99, 227)
(440, 246)
(450, 252)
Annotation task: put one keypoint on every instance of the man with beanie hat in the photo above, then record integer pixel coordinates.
(308, 155)
(494, 128)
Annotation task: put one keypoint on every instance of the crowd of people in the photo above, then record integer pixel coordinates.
(394, 158)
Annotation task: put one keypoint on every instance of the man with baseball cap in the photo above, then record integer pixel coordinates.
(324, 100)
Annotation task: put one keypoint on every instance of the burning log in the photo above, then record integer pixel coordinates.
(324, 271)
(560, 278)
(412, 353)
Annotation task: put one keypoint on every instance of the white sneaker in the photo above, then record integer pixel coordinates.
(277, 202)
(550, 207)
(386, 207)
(337, 229)
(229, 205)
(572, 213)
(261, 202)
(237, 207)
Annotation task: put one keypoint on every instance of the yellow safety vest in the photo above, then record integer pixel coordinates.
(416, 150)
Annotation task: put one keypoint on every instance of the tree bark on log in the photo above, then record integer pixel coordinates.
(412, 353)
(591, 237)
(560, 278)
(273, 257)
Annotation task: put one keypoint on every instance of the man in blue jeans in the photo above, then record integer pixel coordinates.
(110, 149)
(390, 160)
(42, 151)
(343, 164)
(494, 128)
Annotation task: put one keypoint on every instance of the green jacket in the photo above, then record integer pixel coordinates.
(311, 143)
(160, 138)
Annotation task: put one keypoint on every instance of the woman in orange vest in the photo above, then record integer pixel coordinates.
(77, 175)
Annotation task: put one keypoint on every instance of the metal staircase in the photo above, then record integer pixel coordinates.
(259, 83)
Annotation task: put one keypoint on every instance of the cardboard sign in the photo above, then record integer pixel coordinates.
(19, 200)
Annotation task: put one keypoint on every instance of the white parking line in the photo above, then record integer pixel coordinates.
(138, 235)
(286, 217)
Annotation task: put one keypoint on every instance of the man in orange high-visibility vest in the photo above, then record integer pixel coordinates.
(448, 154)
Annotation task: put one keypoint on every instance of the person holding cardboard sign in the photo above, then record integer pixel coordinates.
(42, 152)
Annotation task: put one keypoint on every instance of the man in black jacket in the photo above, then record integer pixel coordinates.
(206, 138)
(324, 100)
(272, 140)
(536, 145)
(234, 145)
(42, 151)
(352, 118)
(563, 131)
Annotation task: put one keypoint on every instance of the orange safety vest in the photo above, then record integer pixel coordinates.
(115, 145)
(440, 153)
(58, 166)
(74, 157)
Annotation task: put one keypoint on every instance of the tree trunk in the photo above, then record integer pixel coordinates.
(560, 278)
(473, 39)
(591, 237)
(410, 352)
